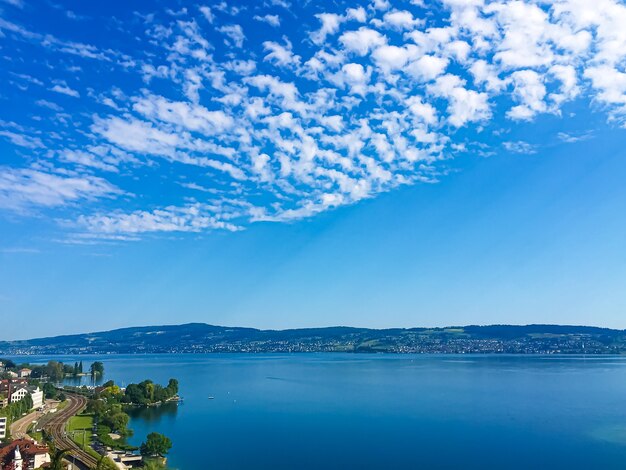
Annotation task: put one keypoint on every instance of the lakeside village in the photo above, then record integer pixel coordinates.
(44, 425)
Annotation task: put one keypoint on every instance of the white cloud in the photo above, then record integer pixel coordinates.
(400, 20)
(390, 58)
(272, 20)
(281, 55)
(463, 105)
(189, 116)
(372, 101)
(22, 140)
(530, 90)
(427, 67)
(65, 90)
(570, 138)
(520, 147)
(23, 189)
(208, 14)
(234, 32)
(191, 218)
(362, 41)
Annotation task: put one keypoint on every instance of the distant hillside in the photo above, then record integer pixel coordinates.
(200, 338)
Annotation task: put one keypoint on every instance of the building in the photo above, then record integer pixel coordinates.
(2, 366)
(37, 396)
(3, 428)
(18, 394)
(23, 454)
(7, 387)
(14, 390)
(24, 373)
(12, 374)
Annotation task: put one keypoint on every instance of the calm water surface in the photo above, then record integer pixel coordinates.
(311, 411)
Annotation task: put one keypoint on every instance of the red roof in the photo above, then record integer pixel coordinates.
(28, 449)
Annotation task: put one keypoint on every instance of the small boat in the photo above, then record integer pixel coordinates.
(211, 398)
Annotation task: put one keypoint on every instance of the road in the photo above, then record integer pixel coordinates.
(20, 427)
(56, 429)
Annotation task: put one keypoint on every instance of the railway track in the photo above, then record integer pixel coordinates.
(56, 429)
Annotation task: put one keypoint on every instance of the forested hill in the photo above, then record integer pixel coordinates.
(200, 337)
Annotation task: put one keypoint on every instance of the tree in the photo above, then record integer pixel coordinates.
(56, 457)
(97, 407)
(134, 394)
(50, 390)
(55, 371)
(156, 445)
(80, 367)
(97, 369)
(28, 402)
(105, 464)
(118, 422)
(172, 387)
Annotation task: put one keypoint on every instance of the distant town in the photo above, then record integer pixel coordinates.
(203, 338)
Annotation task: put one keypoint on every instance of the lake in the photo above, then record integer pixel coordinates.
(312, 411)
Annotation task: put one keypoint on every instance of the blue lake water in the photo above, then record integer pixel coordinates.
(311, 411)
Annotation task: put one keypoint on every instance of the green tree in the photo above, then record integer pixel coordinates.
(50, 390)
(55, 371)
(80, 367)
(28, 403)
(172, 387)
(97, 369)
(56, 457)
(118, 422)
(105, 464)
(156, 445)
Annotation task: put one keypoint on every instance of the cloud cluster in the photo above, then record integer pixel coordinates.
(371, 97)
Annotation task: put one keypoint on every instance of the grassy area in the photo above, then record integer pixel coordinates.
(79, 430)
(80, 422)
(37, 435)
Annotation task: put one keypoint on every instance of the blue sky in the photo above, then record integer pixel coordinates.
(285, 164)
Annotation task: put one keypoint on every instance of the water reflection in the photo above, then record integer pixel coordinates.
(154, 414)
(79, 381)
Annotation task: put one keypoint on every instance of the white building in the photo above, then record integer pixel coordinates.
(12, 374)
(24, 373)
(3, 428)
(18, 395)
(37, 396)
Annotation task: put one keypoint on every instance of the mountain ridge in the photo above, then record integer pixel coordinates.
(203, 337)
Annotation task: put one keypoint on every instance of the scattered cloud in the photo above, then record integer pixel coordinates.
(571, 138)
(23, 189)
(65, 90)
(272, 20)
(520, 147)
(222, 130)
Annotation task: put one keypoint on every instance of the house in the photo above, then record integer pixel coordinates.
(24, 373)
(3, 428)
(2, 366)
(23, 454)
(18, 394)
(12, 374)
(7, 387)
